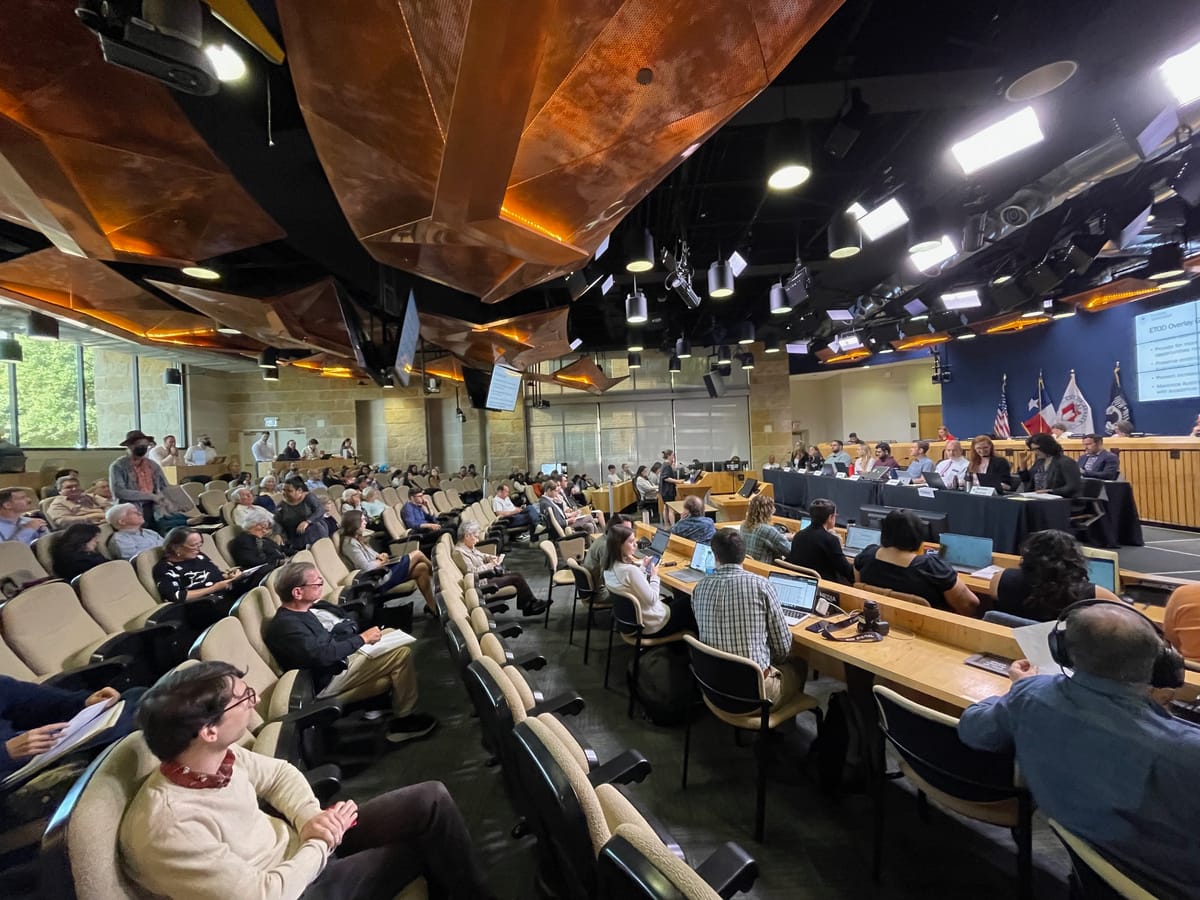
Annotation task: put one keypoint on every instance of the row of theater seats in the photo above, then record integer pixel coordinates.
(593, 840)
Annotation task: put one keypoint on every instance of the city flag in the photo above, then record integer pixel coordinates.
(1040, 410)
(1118, 405)
(1000, 426)
(1074, 411)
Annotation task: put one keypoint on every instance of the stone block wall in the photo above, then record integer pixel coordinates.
(770, 407)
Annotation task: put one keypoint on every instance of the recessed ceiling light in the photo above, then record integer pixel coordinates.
(227, 63)
(920, 318)
(785, 178)
(1171, 285)
(1041, 80)
(883, 219)
(1001, 279)
(967, 337)
(999, 140)
(968, 299)
(201, 272)
(1065, 314)
(1032, 314)
(225, 329)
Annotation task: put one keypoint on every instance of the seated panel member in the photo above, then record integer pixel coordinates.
(920, 462)
(817, 547)
(986, 469)
(1097, 751)
(738, 612)
(898, 564)
(953, 469)
(837, 454)
(1052, 471)
(883, 457)
(694, 524)
(1096, 462)
(196, 828)
(308, 633)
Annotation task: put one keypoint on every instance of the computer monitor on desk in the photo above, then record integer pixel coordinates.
(748, 487)
(934, 524)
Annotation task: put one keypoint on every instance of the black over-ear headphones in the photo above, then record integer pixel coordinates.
(1168, 664)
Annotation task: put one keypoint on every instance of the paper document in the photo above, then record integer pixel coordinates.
(987, 572)
(1033, 643)
(1033, 496)
(87, 723)
(391, 639)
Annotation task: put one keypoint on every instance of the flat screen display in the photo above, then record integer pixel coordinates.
(504, 389)
(406, 350)
(1168, 353)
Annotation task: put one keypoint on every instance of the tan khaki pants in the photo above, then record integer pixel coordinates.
(395, 665)
(784, 683)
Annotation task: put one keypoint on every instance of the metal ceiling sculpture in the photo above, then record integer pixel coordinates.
(101, 160)
(581, 375)
(493, 145)
(521, 341)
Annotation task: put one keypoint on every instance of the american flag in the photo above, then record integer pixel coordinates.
(1000, 426)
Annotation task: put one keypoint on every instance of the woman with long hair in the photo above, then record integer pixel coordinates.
(763, 541)
(348, 451)
(75, 550)
(987, 469)
(1052, 472)
(1052, 575)
(353, 545)
(638, 579)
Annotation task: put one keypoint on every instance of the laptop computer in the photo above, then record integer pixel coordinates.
(934, 480)
(797, 595)
(879, 473)
(833, 468)
(748, 487)
(702, 561)
(904, 478)
(966, 553)
(658, 545)
(1103, 572)
(858, 538)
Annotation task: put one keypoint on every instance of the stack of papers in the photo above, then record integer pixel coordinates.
(88, 722)
(987, 572)
(391, 639)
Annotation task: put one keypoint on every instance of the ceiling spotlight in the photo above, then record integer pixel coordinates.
(640, 248)
(1182, 75)
(10, 350)
(1002, 139)
(679, 276)
(1166, 262)
(203, 273)
(788, 160)
(968, 299)
(634, 360)
(172, 376)
(789, 176)
(225, 329)
(270, 373)
(683, 348)
(1063, 310)
(1041, 81)
(798, 285)
(635, 344)
(635, 307)
(226, 61)
(269, 358)
(747, 360)
(779, 301)
(724, 356)
(924, 260)
(674, 365)
(845, 240)
(746, 333)
(771, 346)
(924, 231)
(42, 327)
(720, 280)
(883, 219)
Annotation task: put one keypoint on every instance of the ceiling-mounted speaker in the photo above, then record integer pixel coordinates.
(173, 376)
(714, 384)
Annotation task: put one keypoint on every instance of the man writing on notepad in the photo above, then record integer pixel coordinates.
(307, 633)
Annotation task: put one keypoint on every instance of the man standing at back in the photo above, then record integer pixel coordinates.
(1099, 754)
(738, 612)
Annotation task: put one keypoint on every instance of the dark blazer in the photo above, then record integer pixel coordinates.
(1062, 476)
(297, 640)
(249, 551)
(1103, 465)
(998, 475)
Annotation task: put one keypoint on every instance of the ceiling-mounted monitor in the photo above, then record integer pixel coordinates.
(406, 349)
(504, 389)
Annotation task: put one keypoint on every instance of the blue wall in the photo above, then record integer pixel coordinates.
(1089, 343)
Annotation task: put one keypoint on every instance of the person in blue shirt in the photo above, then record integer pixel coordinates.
(694, 524)
(1099, 753)
(921, 463)
(416, 516)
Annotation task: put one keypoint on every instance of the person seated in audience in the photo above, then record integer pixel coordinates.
(75, 550)
(255, 544)
(552, 505)
(818, 548)
(52, 490)
(268, 486)
(300, 517)
(1059, 430)
(1098, 752)
(312, 480)
(638, 579)
(201, 453)
(1052, 575)
(351, 500)
(471, 471)
(646, 489)
(813, 460)
(897, 563)
(197, 826)
(1052, 471)
(596, 559)
(919, 462)
(883, 457)
(837, 454)
(986, 469)
(418, 516)
(329, 478)
(167, 453)
(764, 542)
(694, 524)
(943, 434)
(506, 510)
(1181, 620)
(72, 505)
(654, 473)
(243, 502)
(185, 574)
(353, 541)
(1097, 462)
(289, 451)
(953, 469)
(101, 493)
(14, 524)
(739, 613)
(308, 633)
(488, 572)
(130, 537)
(572, 501)
(312, 450)
(435, 479)
(613, 477)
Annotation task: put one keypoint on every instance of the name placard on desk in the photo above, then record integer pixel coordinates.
(981, 491)
(926, 492)
(853, 477)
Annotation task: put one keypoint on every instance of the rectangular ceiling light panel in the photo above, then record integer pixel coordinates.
(992, 144)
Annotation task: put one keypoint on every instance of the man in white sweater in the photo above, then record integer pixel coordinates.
(195, 828)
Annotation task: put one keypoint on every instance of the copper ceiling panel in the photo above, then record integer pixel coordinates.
(305, 318)
(143, 185)
(95, 295)
(581, 375)
(493, 146)
(520, 341)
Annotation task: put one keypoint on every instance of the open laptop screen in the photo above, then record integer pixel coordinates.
(659, 542)
(1101, 572)
(795, 592)
(702, 558)
(748, 487)
(966, 550)
(858, 538)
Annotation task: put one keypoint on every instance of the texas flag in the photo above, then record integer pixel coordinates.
(1040, 411)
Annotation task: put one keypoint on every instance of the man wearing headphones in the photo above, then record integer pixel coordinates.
(1099, 755)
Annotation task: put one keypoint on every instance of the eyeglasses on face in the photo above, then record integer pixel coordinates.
(313, 584)
(250, 696)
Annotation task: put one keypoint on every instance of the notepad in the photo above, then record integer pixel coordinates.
(391, 639)
(987, 572)
(86, 724)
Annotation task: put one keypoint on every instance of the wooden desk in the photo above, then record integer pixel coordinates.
(622, 496)
(732, 507)
(676, 506)
(175, 474)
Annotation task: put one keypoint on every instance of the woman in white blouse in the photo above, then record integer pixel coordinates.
(352, 543)
(638, 578)
(647, 489)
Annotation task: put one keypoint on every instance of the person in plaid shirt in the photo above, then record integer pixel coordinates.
(738, 612)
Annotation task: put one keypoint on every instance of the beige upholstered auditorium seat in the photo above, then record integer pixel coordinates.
(113, 595)
(253, 611)
(49, 630)
(212, 552)
(194, 489)
(217, 484)
(143, 565)
(222, 538)
(393, 525)
(18, 562)
(211, 501)
(336, 490)
(226, 641)
(389, 496)
(43, 549)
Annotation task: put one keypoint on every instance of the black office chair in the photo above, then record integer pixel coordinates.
(633, 864)
(1092, 876)
(585, 590)
(1089, 507)
(627, 620)
(733, 690)
(977, 784)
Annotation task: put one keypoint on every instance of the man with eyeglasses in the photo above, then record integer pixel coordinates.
(308, 633)
(196, 829)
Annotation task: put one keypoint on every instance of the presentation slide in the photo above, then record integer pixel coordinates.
(1168, 353)
(502, 393)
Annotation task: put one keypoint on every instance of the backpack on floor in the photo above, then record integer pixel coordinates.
(841, 749)
(665, 688)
